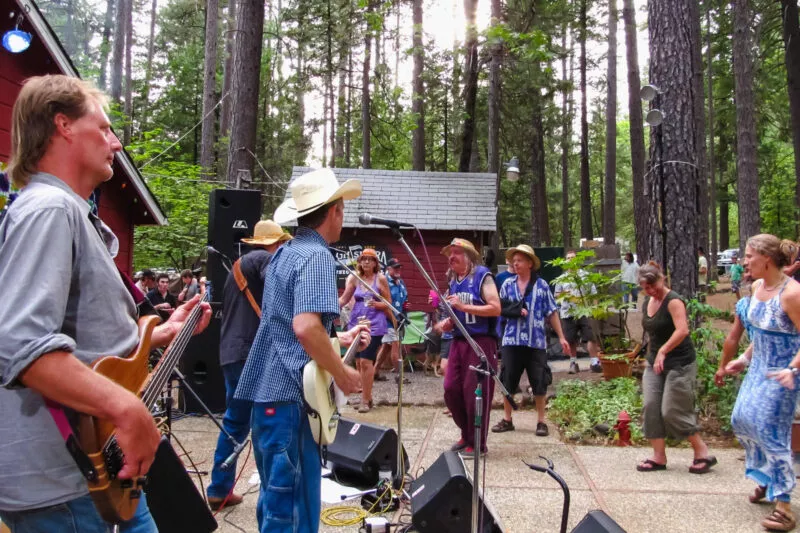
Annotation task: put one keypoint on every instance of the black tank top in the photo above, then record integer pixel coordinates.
(660, 328)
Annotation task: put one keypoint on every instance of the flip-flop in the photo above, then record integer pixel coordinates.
(705, 465)
(653, 466)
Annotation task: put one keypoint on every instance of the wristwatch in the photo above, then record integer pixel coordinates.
(795, 371)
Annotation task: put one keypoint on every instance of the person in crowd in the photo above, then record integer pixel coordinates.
(527, 305)
(702, 270)
(399, 293)
(670, 375)
(630, 280)
(241, 313)
(190, 286)
(793, 269)
(499, 280)
(147, 281)
(475, 301)
(737, 271)
(367, 306)
(297, 320)
(163, 301)
(577, 329)
(78, 309)
(764, 410)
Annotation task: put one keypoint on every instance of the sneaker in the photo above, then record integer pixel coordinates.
(503, 426)
(469, 452)
(596, 368)
(573, 368)
(458, 446)
(542, 430)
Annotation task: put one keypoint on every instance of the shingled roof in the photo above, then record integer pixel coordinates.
(429, 200)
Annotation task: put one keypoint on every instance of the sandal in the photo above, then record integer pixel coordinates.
(701, 466)
(758, 495)
(779, 521)
(648, 465)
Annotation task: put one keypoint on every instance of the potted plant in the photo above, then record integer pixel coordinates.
(597, 295)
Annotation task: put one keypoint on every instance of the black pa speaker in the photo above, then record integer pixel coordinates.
(597, 522)
(200, 367)
(441, 499)
(361, 451)
(232, 215)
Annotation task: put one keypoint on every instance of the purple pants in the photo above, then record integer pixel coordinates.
(460, 384)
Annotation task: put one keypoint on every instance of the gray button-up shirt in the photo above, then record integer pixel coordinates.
(59, 290)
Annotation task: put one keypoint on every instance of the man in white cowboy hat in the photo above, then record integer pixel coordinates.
(241, 313)
(298, 313)
(474, 299)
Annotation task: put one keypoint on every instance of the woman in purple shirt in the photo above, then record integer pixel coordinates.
(369, 307)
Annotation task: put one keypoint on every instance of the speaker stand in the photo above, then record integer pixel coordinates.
(553, 474)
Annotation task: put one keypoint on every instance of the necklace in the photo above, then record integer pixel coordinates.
(770, 289)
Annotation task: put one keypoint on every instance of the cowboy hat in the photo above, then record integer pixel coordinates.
(524, 249)
(313, 190)
(267, 232)
(369, 252)
(464, 244)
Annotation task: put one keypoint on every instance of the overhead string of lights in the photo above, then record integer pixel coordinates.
(17, 41)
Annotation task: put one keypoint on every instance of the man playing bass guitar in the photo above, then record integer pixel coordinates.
(64, 305)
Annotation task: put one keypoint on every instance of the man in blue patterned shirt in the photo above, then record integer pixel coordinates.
(299, 305)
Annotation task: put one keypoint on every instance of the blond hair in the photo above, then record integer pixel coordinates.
(33, 118)
(782, 252)
(650, 273)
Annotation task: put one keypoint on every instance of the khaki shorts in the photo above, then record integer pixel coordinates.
(391, 336)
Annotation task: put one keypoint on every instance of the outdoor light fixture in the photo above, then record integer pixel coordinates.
(654, 117)
(512, 172)
(648, 93)
(16, 40)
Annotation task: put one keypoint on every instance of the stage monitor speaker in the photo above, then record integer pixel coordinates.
(441, 499)
(361, 451)
(232, 215)
(200, 366)
(597, 522)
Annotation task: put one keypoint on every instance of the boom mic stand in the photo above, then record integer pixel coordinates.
(485, 369)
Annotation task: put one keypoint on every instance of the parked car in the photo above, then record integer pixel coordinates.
(724, 260)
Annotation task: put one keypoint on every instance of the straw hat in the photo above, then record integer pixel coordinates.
(267, 232)
(525, 250)
(466, 246)
(311, 191)
(369, 252)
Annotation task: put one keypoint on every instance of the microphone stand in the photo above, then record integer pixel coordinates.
(485, 369)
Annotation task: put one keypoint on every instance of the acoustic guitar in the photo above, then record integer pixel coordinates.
(323, 397)
(116, 499)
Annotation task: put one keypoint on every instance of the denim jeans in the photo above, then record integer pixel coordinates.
(236, 422)
(289, 466)
(630, 292)
(75, 516)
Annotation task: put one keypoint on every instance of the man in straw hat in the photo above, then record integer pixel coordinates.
(473, 296)
(78, 309)
(527, 305)
(241, 313)
(298, 313)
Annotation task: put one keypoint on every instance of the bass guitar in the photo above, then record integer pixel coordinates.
(116, 499)
(323, 397)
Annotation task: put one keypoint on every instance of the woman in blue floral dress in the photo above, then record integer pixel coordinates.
(764, 410)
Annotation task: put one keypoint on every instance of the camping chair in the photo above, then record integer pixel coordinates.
(411, 341)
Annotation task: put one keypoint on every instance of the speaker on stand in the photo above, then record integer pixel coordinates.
(361, 451)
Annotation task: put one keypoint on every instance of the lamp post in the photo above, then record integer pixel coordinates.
(655, 118)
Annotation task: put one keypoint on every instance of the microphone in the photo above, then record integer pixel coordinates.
(237, 450)
(214, 250)
(366, 219)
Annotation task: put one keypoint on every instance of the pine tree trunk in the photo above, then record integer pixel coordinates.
(712, 164)
(636, 125)
(724, 219)
(791, 39)
(227, 72)
(746, 160)
(418, 97)
(148, 68)
(246, 74)
(366, 118)
(586, 197)
(207, 156)
(329, 84)
(610, 206)
(105, 46)
(126, 134)
(675, 193)
(470, 85)
(566, 132)
(700, 129)
(348, 136)
(118, 55)
(540, 218)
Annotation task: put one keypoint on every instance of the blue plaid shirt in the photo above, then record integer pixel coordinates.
(529, 330)
(302, 279)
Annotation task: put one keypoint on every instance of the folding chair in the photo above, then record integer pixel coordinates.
(410, 337)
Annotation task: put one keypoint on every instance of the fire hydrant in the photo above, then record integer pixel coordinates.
(623, 429)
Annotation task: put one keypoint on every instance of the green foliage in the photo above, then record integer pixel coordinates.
(581, 405)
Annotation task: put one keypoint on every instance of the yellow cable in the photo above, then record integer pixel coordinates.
(332, 516)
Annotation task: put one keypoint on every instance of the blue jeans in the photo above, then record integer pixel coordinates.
(288, 463)
(236, 422)
(75, 516)
(630, 291)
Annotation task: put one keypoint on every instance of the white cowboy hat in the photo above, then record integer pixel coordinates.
(266, 233)
(313, 190)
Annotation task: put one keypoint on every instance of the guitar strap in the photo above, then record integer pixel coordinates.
(241, 282)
